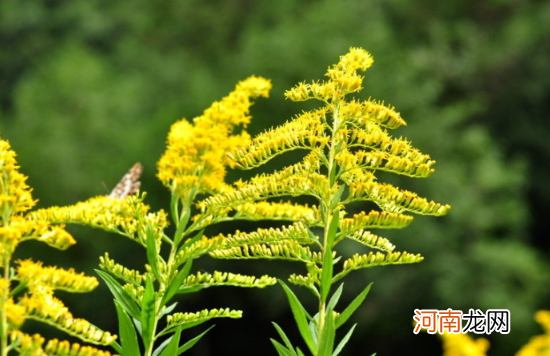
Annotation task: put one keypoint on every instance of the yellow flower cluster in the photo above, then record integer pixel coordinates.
(195, 158)
(178, 319)
(539, 345)
(41, 305)
(15, 194)
(15, 201)
(33, 345)
(127, 217)
(463, 345)
(228, 279)
(347, 141)
(343, 79)
(17, 224)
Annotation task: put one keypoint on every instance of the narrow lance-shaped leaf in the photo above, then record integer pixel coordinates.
(128, 337)
(335, 297)
(172, 347)
(152, 251)
(299, 316)
(281, 350)
(344, 341)
(285, 338)
(120, 295)
(148, 313)
(189, 344)
(177, 282)
(327, 335)
(352, 307)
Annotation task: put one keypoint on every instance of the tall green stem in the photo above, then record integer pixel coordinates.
(329, 220)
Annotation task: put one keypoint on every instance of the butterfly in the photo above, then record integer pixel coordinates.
(129, 184)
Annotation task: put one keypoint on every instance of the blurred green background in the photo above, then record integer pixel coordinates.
(88, 88)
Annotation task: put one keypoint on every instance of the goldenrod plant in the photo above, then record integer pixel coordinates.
(346, 144)
(27, 288)
(193, 164)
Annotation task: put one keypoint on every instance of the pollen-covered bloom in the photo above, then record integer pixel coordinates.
(195, 158)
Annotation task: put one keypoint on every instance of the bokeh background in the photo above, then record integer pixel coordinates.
(88, 88)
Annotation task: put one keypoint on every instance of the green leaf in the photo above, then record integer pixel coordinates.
(128, 336)
(313, 328)
(328, 263)
(172, 347)
(176, 283)
(336, 198)
(189, 344)
(148, 312)
(327, 335)
(161, 347)
(352, 307)
(281, 350)
(335, 297)
(333, 227)
(120, 295)
(283, 336)
(167, 310)
(152, 251)
(300, 316)
(344, 341)
(181, 225)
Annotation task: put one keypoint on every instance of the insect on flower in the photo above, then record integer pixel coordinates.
(129, 184)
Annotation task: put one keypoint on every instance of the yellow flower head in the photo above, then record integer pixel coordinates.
(15, 194)
(196, 154)
(343, 79)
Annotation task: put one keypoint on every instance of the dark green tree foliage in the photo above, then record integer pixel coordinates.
(88, 88)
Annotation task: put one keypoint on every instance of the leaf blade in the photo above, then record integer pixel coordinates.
(300, 317)
(352, 307)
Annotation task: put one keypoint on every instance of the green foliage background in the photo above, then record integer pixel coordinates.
(87, 88)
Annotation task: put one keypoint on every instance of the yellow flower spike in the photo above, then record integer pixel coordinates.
(33, 273)
(15, 194)
(179, 319)
(109, 214)
(195, 158)
(56, 347)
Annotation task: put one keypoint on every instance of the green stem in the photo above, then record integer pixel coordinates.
(330, 219)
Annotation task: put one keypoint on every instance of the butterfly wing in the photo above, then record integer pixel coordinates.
(129, 184)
